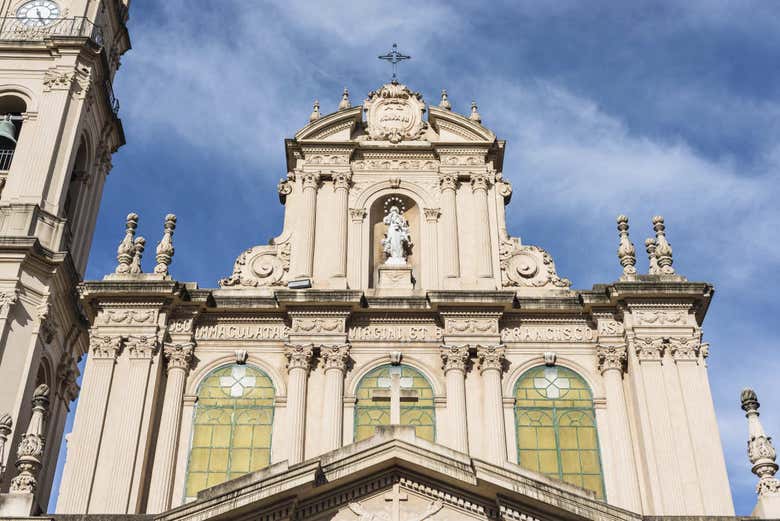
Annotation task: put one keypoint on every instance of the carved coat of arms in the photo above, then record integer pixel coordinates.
(394, 113)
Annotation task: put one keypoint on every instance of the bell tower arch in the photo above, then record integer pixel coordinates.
(59, 126)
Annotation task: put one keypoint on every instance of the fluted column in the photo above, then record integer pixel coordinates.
(491, 362)
(298, 364)
(341, 181)
(334, 359)
(479, 187)
(612, 363)
(141, 350)
(78, 474)
(304, 233)
(179, 357)
(448, 184)
(455, 359)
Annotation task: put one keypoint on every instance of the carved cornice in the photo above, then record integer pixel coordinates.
(178, 356)
(611, 357)
(491, 357)
(105, 347)
(454, 357)
(298, 356)
(335, 356)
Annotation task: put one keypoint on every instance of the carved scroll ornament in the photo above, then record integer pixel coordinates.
(525, 265)
(260, 266)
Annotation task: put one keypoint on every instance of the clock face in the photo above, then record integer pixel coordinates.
(38, 13)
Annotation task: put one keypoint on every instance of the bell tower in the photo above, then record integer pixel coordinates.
(59, 126)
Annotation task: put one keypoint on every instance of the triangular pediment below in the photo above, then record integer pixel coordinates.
(395, 477)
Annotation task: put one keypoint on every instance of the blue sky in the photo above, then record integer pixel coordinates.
(641, 108)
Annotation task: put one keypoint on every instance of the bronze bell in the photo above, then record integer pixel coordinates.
(7, 131)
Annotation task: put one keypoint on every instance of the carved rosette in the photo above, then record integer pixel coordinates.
(526, 265)
(454, 357)
(142, 347)
(649, 349)
(448, 181)
(260, 266)
(105, 347)
(394, 113)
(298, 356)
(685, 348)
(491, 357)
(178, 356)
(335, 356)
(611, 357)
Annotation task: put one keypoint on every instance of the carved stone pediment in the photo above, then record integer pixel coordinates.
(394, 113)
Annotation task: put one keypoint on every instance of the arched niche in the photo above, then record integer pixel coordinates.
(12, 107)
(377, 228)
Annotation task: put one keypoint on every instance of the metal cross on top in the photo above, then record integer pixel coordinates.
(394, 57)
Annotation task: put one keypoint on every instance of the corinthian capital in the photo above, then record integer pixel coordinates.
(491, 357)
(611, 357)
(448, 181)
(105, 347)
(142, 346)
(178, 356)
(341, 180)
(479, 181)
(455, 357)
(335, 356)
(298, 356)
(357, 214)
(310, 180)
(649, 349)
(685, 348)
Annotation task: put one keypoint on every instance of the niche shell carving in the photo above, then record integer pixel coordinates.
(394, 113)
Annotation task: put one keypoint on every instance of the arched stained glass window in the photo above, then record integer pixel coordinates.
(231, 433)
(556, 427)
(395, 394)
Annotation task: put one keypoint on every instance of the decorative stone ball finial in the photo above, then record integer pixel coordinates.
(474, 116)
(345, 103)
(650, 248)
(445, 101)
(165, 248)
(125, 251)
(626, 251)
(138, 247)
(663, 250)
(315, 114)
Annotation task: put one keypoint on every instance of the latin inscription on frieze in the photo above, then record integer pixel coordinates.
(242, 332)
(548, 333)
(395, 333)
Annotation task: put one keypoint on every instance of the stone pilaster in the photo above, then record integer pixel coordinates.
(303, 251)
(612, 363)
(455, 358)
(491, 367)
(431, 271)
(479, 186)
(298, 365)
(179, 358)
(334, 359)
(451, 253)
(140, 351)
(355, 262)
(78, 474)
(341, 182)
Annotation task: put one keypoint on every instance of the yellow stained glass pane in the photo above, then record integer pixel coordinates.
(232, 426)
(556, 428)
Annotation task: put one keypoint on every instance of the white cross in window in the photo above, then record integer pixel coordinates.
(395, 383)
(237, 381)
(551, 383)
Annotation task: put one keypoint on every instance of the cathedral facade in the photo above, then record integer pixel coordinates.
(394, 353)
